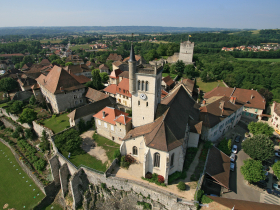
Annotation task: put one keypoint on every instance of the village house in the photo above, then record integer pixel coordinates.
(104, 68)
(114, 57)
(26, 82)
(120, 65)
(93, 95)
(114, 77)
(163, 128)
(90, 64)
(219, 114)
(37, 92)
(78, 70)
(61, 90)
(75, 59)
(275, 115)
(254, 102)
(112, 124)
(139, 60)
(167, 83)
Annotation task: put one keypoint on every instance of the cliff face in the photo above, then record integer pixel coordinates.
(101, 197)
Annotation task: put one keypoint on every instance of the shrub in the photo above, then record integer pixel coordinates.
(54, 116)
(148, 175)
(199, 195)
(15, 134)
(176, 175)
(19, 129)
(145, 205)
(117, 154)
(181, 186)
(28, 133)
(160, 179)
(103, 185)
(40, 165)
(130, 159)
(205, 199)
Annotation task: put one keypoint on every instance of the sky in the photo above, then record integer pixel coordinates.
(257, 14)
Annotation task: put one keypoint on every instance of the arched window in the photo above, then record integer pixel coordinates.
(172, 160)
(156, 160)
(134, 150)
(143, 83)
(147, 86)
(139, 84)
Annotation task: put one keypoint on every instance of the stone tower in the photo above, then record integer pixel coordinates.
(186, 52)
(145, 88)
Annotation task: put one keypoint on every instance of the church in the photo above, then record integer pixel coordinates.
(162, 128)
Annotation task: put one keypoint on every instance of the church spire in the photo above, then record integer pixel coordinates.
(132, 55)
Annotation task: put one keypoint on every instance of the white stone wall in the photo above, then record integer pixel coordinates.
(186, 52)
(251, 112)
(85, 118)
(275, 118)
(193, 139)
(123, 100)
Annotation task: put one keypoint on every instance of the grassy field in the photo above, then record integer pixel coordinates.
(15, 184)
(207, 86)
(53, 206)
(85, 159)
(171, 75)
(84, 46)
(259, 59)
(57, 124)
(56, 41)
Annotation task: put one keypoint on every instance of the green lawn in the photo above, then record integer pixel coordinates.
(56, 41)
(207, 86)
(259, 59)
(57, 124)
(14, 189)
(2, 105)
(84, 46)
(53, 206)
(171, 75)
(85, 159)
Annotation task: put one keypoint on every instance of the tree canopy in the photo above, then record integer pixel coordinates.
(252, 170)
(225, 146)
(104, 77)
(276, 169)
(7, 84)
(27, 116)
(259, 147)
(260, 128)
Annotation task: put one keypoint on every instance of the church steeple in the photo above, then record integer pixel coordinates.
(132, 54)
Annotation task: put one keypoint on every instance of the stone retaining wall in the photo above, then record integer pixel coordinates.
(8, 124)
(14, 118)
(63, 175)
(40, 128)
(109, 170)
(54, 165)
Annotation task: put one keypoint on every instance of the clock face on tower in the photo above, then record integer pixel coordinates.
(143, 96)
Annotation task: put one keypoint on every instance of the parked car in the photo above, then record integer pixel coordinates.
(234, 149)
(232, 157)
(273, 192)
(232, 166)
(277, 154)
(276, 186)
(237, 139)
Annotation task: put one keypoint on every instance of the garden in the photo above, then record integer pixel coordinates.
(57, 123)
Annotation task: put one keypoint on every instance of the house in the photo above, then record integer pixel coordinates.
(167, 83)
(87, 111)
(22, 95)
(13, 73)
(78, 70)
(114, 76)
(61, 90)
(254, 101)
(81, 78)
(104, 68)
(163, 128)
(120, 65)
(45, 62)
(112, 123)
(9, 56)
(75, 59)
(189, 85)
(26, 82)
(94, 95)
(90, 64)
(219, 114)
(275, 115)
(37, 92)
(114, 57)
(26, 66)
(120, 91)
(139, 60)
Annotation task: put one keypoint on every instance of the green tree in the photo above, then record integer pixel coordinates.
(259, 147)
(260, 128)
(69, 64)
(7, 84)
(27, 116)
(104, 77)
(15, 107)
(252, 170)
(96, 80)
(189, 70)
(180, 66)
(224, 146)
(32, 100)
(40, 164)
(166, 68)
(276, 169)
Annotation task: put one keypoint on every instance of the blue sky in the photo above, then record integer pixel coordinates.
(259, 14)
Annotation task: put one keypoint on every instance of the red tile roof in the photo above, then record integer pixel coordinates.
(163, 93)
(115, 74)
(95, 95)
(122, 88)
(137, 58)
(81, 78)
(252, 96)
(112, 116)
(168, 81)
(117, 63)
(111, 89)
(10, 55)
(103, 67)
(114, 57)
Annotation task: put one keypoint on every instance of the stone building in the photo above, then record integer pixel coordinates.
(120, 65)
(93, 95)
(185, 54)
(254, 102)
(219, 114)
(114, 76)
(114, 57)
(275, 115)
(78, 70)
(112, 123)
(104, 68)
(163, 129)
(167, 83)
(61, 90)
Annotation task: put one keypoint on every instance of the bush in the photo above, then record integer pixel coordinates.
(130, 159)
(148, 175)
(199, 195)
(32, 100)
(40, 165)
(15, 134)
(19, 129)
(177, 175)
(160, 179)
(117, 154)
(28, 133)
(54, 116)
(181, 186)
(205, 199)
(103, 185)
(145, 205)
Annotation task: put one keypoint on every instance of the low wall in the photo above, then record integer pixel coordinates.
(15, 118)
(25, 168)
(8, 124)
(63, 174)
(109, 170)
(40, 128)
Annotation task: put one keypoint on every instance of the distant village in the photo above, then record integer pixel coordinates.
(253, 48)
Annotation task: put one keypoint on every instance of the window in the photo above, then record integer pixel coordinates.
(138, 103)
(139, 84)
(76, 102)
(64, 92)
(147, 86)
(134, 150)
(113, 138)
(146, 103)
(119, 89)
(81, 101)
(142, 88)
(105, 125)
(172, 160)
(99, 123)
(75, 96)
(112, 127)
(123, 91)
(156, 160)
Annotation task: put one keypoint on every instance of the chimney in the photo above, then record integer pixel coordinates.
(232, 99)
(103, 112)
(61, 89)
(204, 102)
(252, 96)
(222, 103)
